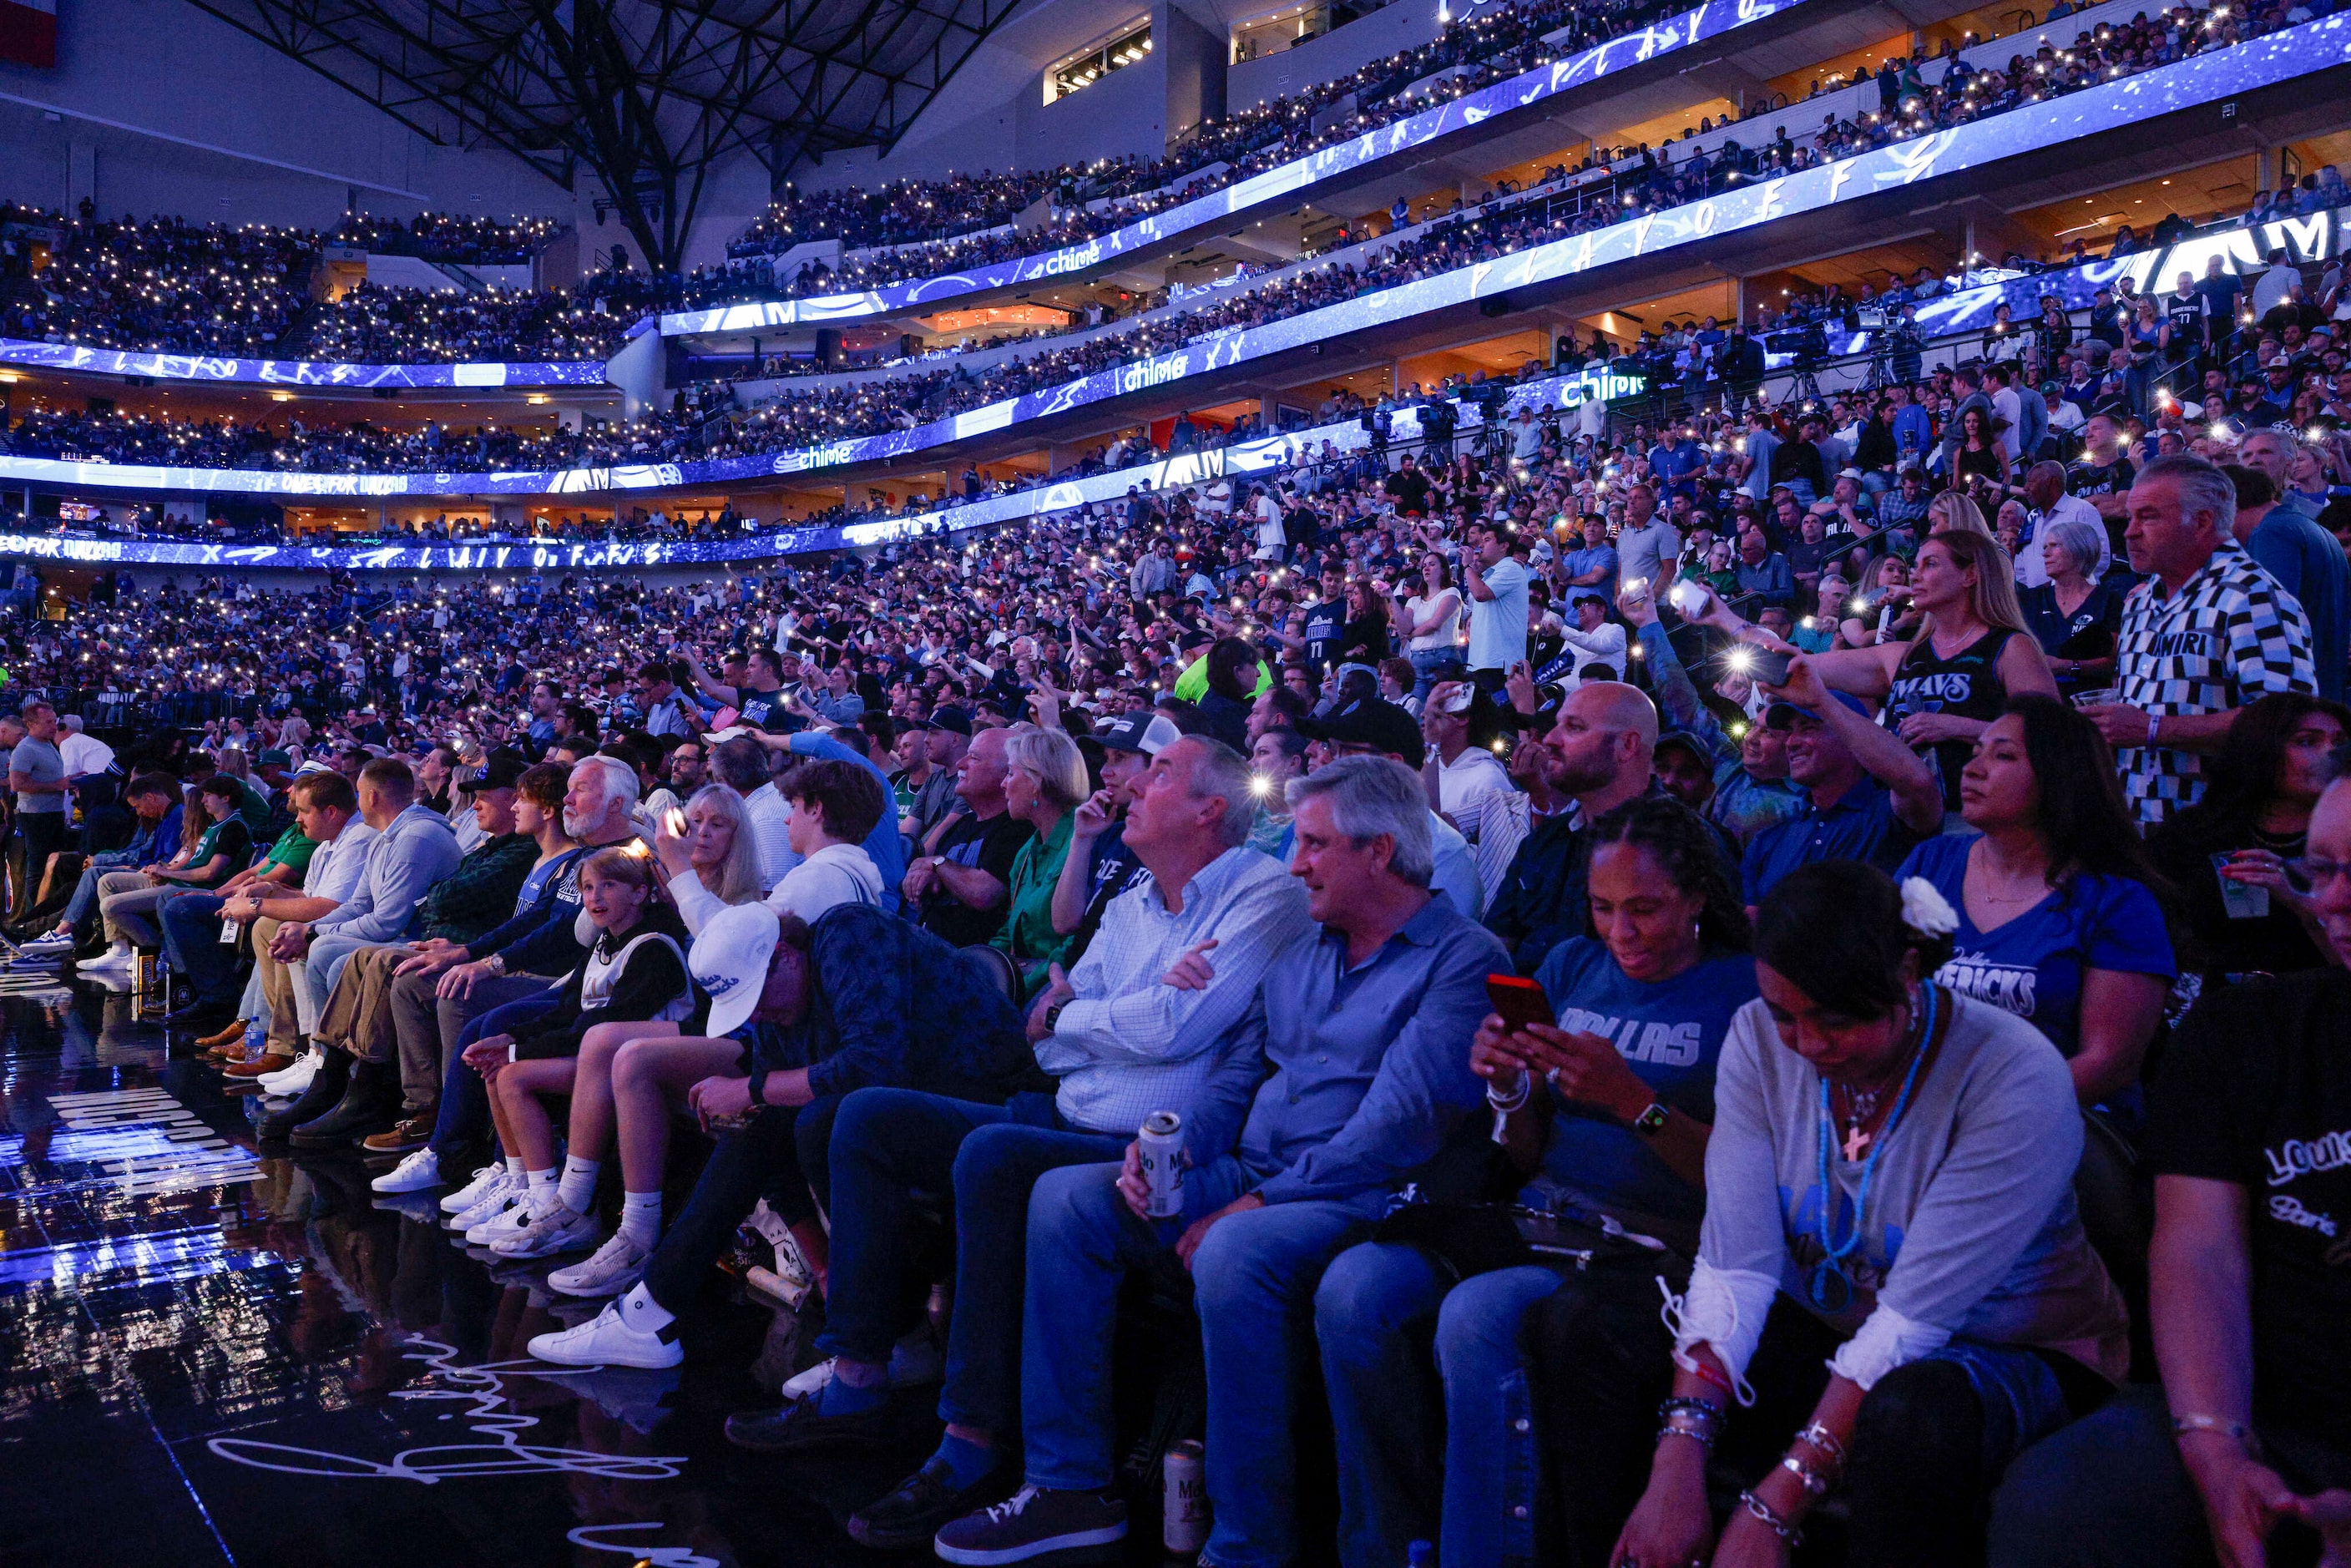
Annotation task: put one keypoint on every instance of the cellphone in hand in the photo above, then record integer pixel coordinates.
(1688, 599)
(1762, 665)
(1518, 1001)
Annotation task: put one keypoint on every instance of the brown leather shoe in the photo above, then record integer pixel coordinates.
(234, 1034)
(256, 1069)
(413, 1132)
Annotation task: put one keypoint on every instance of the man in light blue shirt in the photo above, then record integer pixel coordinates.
(415, 849)
(1348, 1074)
(1496, 580)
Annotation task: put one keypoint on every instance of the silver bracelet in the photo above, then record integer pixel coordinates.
(1787, 1532)
(1526, 1092)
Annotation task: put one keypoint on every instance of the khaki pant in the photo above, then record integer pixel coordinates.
(359, 1016)
(277, 988)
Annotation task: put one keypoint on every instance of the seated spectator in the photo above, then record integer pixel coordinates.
(1954, 1311)
(1314, 1116)
(835, 806)
(1044, 783)
(2241, 1452)
(1871, 798)
(2076, 613)
(2059, 918)
(218, 851)
(1608, 1111)
(961, 881)
(2234, 856)
(1599, 755)
(1369, 728)
(326, 808)
(359, 1016)
(635, 972)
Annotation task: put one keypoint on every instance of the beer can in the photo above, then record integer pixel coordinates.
(1162, 1137)
(1183, 1522)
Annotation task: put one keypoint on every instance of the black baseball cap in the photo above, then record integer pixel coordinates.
(949, 718)
(1370, 722)
(1149, 732)
(501, 770)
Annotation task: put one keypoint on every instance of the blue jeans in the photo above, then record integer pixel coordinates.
(463, 1118)
(1376, 1307)
(887, 1146)
(1425, 663)
(1254, 1280)
(192, 944)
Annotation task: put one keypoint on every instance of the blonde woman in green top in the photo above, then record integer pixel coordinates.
(1044, 780)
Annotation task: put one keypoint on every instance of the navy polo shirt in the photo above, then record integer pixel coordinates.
(1861, 826)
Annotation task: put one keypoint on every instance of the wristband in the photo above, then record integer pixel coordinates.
(2221, 1426)
(758, 1082)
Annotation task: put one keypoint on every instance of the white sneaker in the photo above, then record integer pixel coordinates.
(485, 1179)
(418, 1171)
(617, 1265)
(557, 1230)
(291, 1080)
(500, 1200)
(808, 1384)
(514, 1217)
(607, 1339)
(121, 959)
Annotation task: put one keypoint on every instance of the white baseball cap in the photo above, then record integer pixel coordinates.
(729, 963)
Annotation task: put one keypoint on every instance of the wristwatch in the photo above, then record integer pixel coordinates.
(1053, 1013)
(496, 963)
(759, 1087)
(1651, 1122)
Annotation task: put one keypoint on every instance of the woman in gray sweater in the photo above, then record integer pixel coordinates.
(1892, 1295)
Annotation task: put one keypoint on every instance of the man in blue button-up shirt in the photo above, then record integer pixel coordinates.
(1345, 1077)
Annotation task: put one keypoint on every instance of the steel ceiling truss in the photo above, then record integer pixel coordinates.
(647, 94)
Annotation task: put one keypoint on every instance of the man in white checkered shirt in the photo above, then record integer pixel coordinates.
(2207, 633)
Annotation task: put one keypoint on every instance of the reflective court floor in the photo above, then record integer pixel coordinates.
(211, 1353)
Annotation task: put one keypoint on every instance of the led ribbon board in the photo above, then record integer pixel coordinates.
(2242, 68)
(298, 372)
(1695, 26)
(1266, 454)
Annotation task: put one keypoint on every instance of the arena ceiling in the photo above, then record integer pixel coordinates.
(648, 95)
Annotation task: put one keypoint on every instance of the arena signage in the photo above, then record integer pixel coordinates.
(321, 373)
(2280, 57)
(1680, 32)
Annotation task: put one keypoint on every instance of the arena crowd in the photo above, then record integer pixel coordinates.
(1405, 908)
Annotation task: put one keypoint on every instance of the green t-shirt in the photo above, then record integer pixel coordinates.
(293, 850)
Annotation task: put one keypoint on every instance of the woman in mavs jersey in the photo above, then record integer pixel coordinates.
(2060, 919)
(1972, 653)
(1607, 1114)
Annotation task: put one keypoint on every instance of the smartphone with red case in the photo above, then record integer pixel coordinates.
(1518, 1001)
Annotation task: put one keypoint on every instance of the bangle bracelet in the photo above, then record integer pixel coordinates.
(1690, 1429)
(1823, 1442)
(2218, 1426)
(1778, 1526)
(1815, 1485)
(1513, 1103)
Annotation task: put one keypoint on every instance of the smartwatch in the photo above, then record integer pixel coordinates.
(758, 1088)
(1053, 1014)
(1651, 1122)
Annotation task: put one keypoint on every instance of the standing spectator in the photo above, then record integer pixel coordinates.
(36, 773)
(2307, 561)
(2076, 610)
(2208, 633)
(1496, 582)
(1432, 624)
(1648, 546)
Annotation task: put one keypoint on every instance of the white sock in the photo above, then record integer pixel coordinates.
(515, 1175)
(640, 1218)
(641, 1313)
(578, 1188)
(541, 1196)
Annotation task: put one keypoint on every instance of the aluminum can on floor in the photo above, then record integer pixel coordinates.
(1184, 1528)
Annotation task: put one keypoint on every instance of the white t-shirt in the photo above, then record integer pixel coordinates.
(2031, 570)
(1448, 631)
(1497, 626)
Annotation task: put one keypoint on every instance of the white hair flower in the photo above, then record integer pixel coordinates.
(1926, 911)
